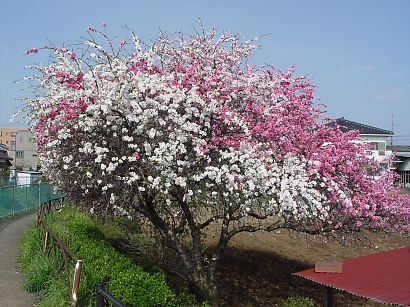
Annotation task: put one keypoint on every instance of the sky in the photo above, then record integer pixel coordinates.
(357, 53)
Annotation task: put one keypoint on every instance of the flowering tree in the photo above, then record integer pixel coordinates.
(187, 133)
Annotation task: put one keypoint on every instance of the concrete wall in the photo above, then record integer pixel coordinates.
(24, 154)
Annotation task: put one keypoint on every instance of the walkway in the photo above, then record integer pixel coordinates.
(12, 293)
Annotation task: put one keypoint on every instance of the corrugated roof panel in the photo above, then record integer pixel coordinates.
(384, 277)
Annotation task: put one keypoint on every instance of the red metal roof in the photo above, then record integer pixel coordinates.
(383, 277)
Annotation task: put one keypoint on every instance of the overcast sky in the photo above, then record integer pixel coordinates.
(356, 52)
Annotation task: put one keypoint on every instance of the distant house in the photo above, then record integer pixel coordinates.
(5, 159)
(22, 147)
(402, 163)
(375, 137)
(8, 136)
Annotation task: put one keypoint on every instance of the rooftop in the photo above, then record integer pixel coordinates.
(399, 148)
(400, 151)
(3, 148)
(348, 125)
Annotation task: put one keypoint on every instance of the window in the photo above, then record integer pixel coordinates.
(380, 146)
(12, 142)
(373, 145)
(13, 134)
(19, 154)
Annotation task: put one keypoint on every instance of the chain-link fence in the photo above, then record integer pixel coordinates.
(15, 199)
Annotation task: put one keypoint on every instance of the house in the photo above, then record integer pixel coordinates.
(5, 159)
(402, 163)
(375, 137)
(22, 147)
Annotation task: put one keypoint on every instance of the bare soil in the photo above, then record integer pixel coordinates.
(256, 269)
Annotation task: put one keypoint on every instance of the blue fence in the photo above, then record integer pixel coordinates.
(15, 199)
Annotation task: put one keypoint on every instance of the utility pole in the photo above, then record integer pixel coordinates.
(15, 158)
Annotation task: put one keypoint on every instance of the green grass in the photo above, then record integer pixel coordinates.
(41, 275)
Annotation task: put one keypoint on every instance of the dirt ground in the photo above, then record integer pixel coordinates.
(256, 269)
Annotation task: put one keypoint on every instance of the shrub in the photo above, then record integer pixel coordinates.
(101, 262)
(297, 301)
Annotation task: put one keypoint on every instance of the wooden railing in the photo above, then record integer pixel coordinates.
(53, 244)
(49, 206)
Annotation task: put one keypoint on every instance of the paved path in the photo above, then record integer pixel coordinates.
(12, 293)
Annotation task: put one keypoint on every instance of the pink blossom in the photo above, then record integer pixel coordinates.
(136, 155)
(32, 50)
(61, 50)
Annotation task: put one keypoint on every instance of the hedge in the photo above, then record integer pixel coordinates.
(102, 263)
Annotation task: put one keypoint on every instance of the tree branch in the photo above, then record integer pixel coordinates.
(209, 221)
(249, 228)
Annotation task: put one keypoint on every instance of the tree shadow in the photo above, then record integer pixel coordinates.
(259, 278)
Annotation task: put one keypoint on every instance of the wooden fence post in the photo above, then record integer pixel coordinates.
(45, 242)
(76, 282)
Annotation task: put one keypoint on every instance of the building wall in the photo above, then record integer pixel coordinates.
(8, 135)
(378, 149)
(24, 154)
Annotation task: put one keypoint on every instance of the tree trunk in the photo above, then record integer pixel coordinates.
(205, 288)
(200, 277)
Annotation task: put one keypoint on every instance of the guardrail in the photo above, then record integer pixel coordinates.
(51, 242)
(102, 296)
